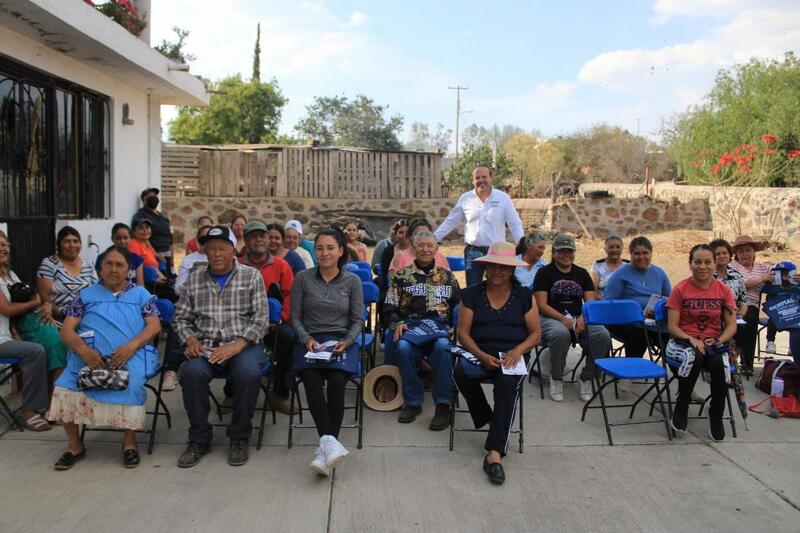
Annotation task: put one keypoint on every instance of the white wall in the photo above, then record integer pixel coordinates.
(131, 168)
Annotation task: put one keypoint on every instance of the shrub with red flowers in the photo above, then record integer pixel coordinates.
(124, 13)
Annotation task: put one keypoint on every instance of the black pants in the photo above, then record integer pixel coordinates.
(719, 388)
(326, 412)
(506, 392)
(772, 331)
(633, 339)
(283, 357)
(174, 352)
(746, 337)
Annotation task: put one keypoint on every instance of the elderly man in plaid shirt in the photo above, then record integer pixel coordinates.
(221, 319)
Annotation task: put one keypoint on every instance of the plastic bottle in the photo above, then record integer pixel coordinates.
(777, 387)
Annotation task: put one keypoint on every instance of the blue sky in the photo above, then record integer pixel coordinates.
(555, 66)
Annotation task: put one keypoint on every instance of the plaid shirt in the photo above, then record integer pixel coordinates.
(217, 316)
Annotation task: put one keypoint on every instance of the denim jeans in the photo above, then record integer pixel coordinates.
(474, 271)
(409, 358)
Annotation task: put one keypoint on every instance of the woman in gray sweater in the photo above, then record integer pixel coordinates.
(327, 306)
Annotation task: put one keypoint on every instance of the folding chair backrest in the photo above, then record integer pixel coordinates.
(379, 270)
(166, 309)
(660, 311)
(455, 316)
(352, 267)
(150, 274)
(364, 265)
(456, 263)
(275, 308)
(370, 291)
(612, 312)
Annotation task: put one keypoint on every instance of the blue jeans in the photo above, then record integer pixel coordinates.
(409, 358)
(474, 271)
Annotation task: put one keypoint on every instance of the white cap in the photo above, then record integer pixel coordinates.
(295, 225)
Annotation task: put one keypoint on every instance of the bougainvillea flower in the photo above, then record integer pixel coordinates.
(769, 150)
(767, 138)
(793, 154)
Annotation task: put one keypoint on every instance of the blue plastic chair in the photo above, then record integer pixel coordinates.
(364, 275)
(366, 341)
(457, 264)
(150, 274)
(167, 310)
(364, 265)
(618, 313)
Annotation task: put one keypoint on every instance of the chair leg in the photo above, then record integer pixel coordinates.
(360, 411)
(663, 412)
(453, 417)
(730, 412)
(521, 417)
(263, 417)
(156, 411)
(291, 414)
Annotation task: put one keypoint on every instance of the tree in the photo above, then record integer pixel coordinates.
(359, 122)
(459, 175)
(746, 102)
(239, 112)
(257, 55)
(421, 139)
(474, 135)
(533, 161)
(174, 50)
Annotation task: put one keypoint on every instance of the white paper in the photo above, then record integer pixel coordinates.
(649, 321)
(519, 370)
(740, 321)
(324, 351)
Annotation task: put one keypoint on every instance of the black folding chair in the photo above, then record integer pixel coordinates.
(5, 411)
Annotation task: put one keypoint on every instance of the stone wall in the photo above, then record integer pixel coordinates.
(313, 214)
(627, 216)
(767, 212)
(318, 214)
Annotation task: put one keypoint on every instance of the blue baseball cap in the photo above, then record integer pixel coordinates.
(784, 265)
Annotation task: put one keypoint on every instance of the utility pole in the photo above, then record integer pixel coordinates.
(458, 89)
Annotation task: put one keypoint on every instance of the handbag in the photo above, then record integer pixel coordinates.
(106, 378)
(788, 371)
(781, 406)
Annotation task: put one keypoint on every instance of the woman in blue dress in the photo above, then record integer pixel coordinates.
(110, 324)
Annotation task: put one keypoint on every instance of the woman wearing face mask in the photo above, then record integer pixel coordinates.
(161, 237)
(603, 268)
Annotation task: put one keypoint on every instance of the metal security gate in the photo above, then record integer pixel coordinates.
(26, 206)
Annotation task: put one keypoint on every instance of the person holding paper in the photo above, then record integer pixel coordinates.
(419, 311)
(498, 323)
(560, 288)
(701, 316)
(644, 282)
(327, 303)
(787, 289)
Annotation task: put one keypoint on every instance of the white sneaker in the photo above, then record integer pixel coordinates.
(333, 450)
(556, 390)
(170, 381)
(319, 465)
(624, 385)
(770, 347)
(586, 390)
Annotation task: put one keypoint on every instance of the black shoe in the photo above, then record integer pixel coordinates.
(716, 429)
(66, 461)
(193, 453)
(130, 458)
(440, 420)
(680, 419)
(409, 413)
(495, 471)
(239, 452)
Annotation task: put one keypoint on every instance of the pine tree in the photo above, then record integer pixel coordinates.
(257, 55)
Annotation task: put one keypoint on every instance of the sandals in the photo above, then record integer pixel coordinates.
(130, 458)
(68, 460)
(37, 423)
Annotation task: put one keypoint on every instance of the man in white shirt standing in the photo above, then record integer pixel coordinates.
(486, 211)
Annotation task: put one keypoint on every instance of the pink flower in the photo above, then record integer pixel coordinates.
(793, 154)
(767, 138)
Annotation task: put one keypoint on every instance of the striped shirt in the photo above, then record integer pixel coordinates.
(216, 316)
(757, 271)
(65, 285)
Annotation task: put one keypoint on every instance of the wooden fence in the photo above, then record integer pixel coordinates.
(299, 172)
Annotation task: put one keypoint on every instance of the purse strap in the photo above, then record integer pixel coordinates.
(753, 407)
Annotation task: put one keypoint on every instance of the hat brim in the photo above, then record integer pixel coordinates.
(557, 248)
(757, 246)
(503, 261)
(207, 238)
(372, 379)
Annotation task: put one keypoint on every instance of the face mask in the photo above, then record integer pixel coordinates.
(152, 202)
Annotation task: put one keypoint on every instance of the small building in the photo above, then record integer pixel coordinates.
(80, 123)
